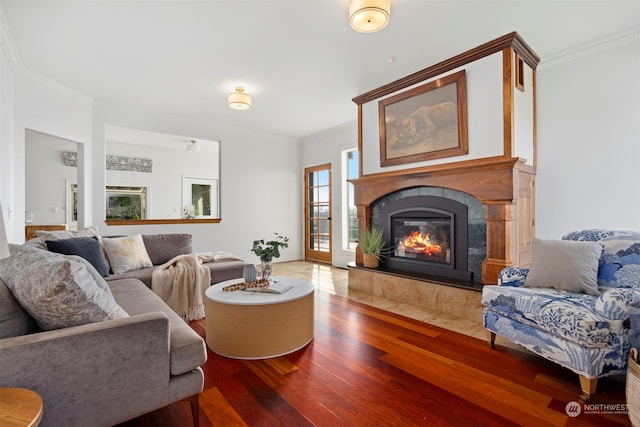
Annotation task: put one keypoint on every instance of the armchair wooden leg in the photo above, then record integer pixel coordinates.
(491, 336)
(588, 386)
(194, 402)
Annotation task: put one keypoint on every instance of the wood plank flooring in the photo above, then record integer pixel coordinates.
(370, 367)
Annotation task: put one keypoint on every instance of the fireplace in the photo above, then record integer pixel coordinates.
(428, 232)
(498, 193)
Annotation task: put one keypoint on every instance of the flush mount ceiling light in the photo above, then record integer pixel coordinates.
(369, 16)
(239, 100)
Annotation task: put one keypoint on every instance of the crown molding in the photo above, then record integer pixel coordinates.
(58, 86)
(336, 130)
(590, 47)
(7, 45)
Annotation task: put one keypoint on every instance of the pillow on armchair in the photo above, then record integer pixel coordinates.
(565, 265)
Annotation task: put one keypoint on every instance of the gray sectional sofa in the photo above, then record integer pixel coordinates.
(104, 373)
(141, 357)
(162, 247)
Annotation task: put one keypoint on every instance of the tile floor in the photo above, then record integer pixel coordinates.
(335, 280)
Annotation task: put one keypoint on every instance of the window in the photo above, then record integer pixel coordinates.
(350, 214)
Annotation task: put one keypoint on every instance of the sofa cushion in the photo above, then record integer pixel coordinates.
(187, 348)
(56, 291)
(87, 247)
(225, 270)
(126, 253)
(14, 321)
(565, 265)
(569, 315)
(143, 274)
(163, 247)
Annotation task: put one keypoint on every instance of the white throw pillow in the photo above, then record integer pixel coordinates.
(566, 265)
(58, 292)
(126, 253)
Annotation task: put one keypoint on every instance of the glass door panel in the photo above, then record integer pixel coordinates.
(318, 213)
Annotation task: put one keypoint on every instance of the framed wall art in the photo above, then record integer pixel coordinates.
(425, 122)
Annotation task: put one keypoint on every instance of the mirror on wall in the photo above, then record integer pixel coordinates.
(150, 178)
(50, 181)
(176, 177)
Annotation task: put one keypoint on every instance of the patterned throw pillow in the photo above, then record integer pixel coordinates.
(126, 253)
(56, 291)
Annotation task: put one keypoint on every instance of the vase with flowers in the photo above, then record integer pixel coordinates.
(267, 251)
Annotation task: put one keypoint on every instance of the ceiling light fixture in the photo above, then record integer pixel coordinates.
(369, 16)
(239, 100)
(192, 148)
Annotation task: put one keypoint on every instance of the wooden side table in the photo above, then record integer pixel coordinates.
(19, 407)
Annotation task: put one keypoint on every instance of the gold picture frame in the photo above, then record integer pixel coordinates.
(424, 123)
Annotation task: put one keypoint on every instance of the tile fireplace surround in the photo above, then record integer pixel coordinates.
(505, 186)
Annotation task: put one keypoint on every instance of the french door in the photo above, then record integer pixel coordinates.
(317, 182)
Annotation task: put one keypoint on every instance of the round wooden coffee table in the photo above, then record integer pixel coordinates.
(259, 325)
(19, 407)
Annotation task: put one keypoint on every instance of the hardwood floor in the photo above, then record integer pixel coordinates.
(370, 367)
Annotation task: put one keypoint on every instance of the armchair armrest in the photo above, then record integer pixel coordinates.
(81, 372)
(617, 303)
(512, 276)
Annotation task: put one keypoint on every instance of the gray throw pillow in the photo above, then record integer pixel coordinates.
(565, 265)
(87, 247)
(56, 291)
(164, 247)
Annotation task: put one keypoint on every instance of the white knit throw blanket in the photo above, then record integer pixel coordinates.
(182, 281)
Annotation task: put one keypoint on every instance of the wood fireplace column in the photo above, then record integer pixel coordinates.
(499, 217)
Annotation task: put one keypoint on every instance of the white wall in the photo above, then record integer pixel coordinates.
(484, 117)
(261, 183)
(51, 109)
(588, 145)
(589, 142)
(7, 89)
(588, 155)
(327, 147)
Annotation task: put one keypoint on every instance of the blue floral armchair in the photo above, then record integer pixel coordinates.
(588, 334)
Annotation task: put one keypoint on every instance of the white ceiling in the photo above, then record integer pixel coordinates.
(299, 58)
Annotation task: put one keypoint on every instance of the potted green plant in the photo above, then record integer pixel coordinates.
(267, 251)
(372, 242)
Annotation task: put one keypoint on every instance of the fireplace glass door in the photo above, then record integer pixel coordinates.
(424, 236)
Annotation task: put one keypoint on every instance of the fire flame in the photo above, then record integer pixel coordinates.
(420, 243)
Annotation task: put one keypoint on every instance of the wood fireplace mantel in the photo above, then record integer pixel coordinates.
(504, 185)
